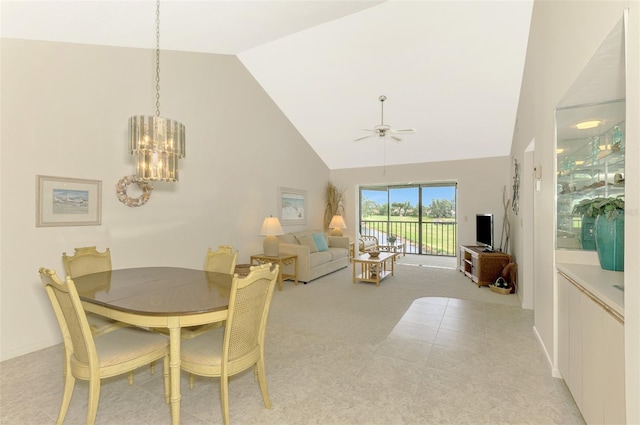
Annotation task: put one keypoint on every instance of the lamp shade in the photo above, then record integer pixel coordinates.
(337, 224)
(270, 228)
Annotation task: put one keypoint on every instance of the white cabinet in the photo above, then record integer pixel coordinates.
(570, 336)
(591, 354)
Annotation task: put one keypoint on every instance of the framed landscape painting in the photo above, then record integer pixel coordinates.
(293, 206)
(62, 201)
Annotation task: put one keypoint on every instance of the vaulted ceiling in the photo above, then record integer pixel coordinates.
(451, 70)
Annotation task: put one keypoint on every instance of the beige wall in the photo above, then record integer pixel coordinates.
(563, 37)
(64, 113)
(480, 186)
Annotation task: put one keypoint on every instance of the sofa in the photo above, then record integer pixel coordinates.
(314, 260)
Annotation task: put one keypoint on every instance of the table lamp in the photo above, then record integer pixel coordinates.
(271, 228)
(337, 224)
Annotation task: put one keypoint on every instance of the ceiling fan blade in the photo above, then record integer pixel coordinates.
(362, 138)
(396, 139)
(404, 131)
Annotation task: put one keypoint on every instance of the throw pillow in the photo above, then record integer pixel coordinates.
(320, 241)
(308, 241)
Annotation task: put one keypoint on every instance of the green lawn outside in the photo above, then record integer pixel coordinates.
(437, 237)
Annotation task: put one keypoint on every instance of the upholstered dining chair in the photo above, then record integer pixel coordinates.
(222, 260)
(87, 260)
(94, 358)
(238, 346)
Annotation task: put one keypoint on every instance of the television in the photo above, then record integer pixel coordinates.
(484, 231)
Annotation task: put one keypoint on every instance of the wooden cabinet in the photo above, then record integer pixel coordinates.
(591, 354)
(482, 267)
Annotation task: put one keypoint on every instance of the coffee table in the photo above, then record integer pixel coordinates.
(373, 269)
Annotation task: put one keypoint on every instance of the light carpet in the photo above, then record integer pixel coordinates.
(425, 347)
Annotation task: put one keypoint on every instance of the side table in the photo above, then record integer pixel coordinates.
(282, 260)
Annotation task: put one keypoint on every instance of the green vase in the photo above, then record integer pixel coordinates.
(587, 238)
(609, 235)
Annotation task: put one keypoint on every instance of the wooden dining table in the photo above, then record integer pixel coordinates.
(159, 297)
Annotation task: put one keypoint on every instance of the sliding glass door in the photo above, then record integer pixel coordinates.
(422, 217)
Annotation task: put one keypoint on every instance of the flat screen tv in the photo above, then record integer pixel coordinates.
(484, 230)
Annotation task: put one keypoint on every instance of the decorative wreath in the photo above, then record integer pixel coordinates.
(121, 189)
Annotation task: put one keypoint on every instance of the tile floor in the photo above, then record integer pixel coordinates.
(339, 353)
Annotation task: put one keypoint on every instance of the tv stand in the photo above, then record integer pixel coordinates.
(482, 267)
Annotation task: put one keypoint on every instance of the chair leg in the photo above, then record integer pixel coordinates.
(94, 398)
(152, 366)
(130, 378)
(224, 398)
(69, 383)
(262, 380)
(165, 372)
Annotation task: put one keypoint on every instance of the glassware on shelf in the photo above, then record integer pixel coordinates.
(595, 149)
(617, 139)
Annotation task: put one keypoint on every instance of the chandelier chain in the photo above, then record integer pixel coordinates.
(157, 58)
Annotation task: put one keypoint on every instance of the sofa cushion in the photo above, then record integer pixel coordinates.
(288, 238)
(308, 241)
(320, 241)
(319, 258)
(338, 253)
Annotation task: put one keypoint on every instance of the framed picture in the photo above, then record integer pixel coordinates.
(293, 206)
(62, 201)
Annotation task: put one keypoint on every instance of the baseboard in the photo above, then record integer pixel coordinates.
(554, 371)
(26, 349)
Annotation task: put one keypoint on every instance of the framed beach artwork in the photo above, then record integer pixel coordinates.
(293, 206)
(62, 201)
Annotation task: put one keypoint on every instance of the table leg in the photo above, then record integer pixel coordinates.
(296, 269)
(280, 277)
(354, 271)
(174, 366)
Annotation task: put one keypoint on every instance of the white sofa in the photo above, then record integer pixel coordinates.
(313, 263)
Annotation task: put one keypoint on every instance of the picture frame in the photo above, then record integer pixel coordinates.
(65, 201)
(292, 204)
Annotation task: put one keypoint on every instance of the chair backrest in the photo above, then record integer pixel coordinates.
(223, 260)
(249, 304)
(71, 317)
(86, 260)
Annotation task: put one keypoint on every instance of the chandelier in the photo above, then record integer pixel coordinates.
(156, 142)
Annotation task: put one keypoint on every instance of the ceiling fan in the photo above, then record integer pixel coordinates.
(384, 130)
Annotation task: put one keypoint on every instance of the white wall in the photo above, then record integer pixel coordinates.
(64, 113)
(563, 37)
(480, 186)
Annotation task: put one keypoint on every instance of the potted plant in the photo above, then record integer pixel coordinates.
(391, 239)
(608, 228)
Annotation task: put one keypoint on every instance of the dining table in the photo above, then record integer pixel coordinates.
(159, 297)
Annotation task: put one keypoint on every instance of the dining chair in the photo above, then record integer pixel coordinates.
(222, 260)
(87, 260)
(238, 346)
(92, 358)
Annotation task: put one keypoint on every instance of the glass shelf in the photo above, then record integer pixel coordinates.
(590, 164)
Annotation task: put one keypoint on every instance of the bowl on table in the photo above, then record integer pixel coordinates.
(374, 254)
